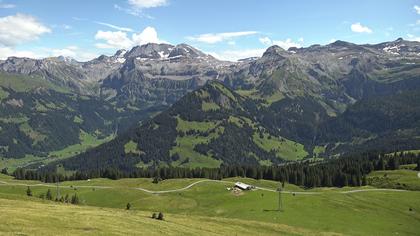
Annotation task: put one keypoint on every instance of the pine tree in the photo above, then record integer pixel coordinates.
(75, 199)
(29, 192)
(48, 196)
(4, 171)
(364, 180)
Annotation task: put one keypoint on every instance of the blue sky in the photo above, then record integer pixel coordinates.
(227, 29)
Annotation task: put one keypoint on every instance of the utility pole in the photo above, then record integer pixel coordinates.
(58, 182)
(280, 189)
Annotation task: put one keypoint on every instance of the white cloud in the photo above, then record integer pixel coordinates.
(73, 52)
(67, 27)
(20, 28)
(212, 38)
(6, 5)
(332, 40)
(265, 40)
(413, 38)
(113, 39)
(359, 28)
(114, 26)
(148, 35)
(119, 39)
(69, 51)
(141, 4)
(234, 55)
(6, 52)
(417, 9)
(133, 11)
(286, 44)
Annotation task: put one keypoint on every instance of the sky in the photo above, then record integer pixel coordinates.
(226, 29)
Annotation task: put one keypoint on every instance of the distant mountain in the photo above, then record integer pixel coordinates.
(119, 91)
(297, 96)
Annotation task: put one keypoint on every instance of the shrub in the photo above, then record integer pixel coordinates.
(29, 192)
(160, 216)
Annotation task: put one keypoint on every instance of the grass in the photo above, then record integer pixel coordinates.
(401, 179)
(3, 94)
(224, 91)
(34, 135)
(318, 151)
(21, 83)
(189, 157)
(362, 213)
(184, 126)
(132, 147)
(35, 218)
(78, 119)
(275, 97)
(209, 106)
(284, 148)
(185, 144)
(14, 120)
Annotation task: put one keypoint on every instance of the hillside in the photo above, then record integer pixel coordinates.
(214, 125)
(209, 208)
(39, 218)
(207, 127)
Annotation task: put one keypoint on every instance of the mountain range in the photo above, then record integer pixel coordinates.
(175, 105)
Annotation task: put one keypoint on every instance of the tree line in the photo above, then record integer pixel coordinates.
(346, 171)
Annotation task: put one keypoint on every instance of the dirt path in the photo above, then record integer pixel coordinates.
(196, 183)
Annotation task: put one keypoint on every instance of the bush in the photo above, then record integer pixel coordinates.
(128, 206)
(160, 216)
(29, 192)
(48, 196)
(75, 199)
(4, 171)
(154, 216)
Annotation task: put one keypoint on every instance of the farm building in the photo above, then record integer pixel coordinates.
(243, 186)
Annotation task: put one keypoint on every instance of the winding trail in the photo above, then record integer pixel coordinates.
(196, 183)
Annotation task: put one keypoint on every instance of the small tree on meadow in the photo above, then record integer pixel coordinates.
(128, 206)
(48, 196)
(155, 180)
(75, 199)
(29, 192)
(154, 216)
(4, 171)
(160, 216)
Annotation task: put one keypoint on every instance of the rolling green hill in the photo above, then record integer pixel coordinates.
(209, 208)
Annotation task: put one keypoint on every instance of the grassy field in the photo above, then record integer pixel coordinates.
(39, 218)
(319, 210)
(400, 179)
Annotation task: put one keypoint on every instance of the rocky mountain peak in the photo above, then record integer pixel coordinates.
(150, 51)
(274, 50)
(185, 50)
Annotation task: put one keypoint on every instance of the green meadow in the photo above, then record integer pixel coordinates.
(213, 209)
